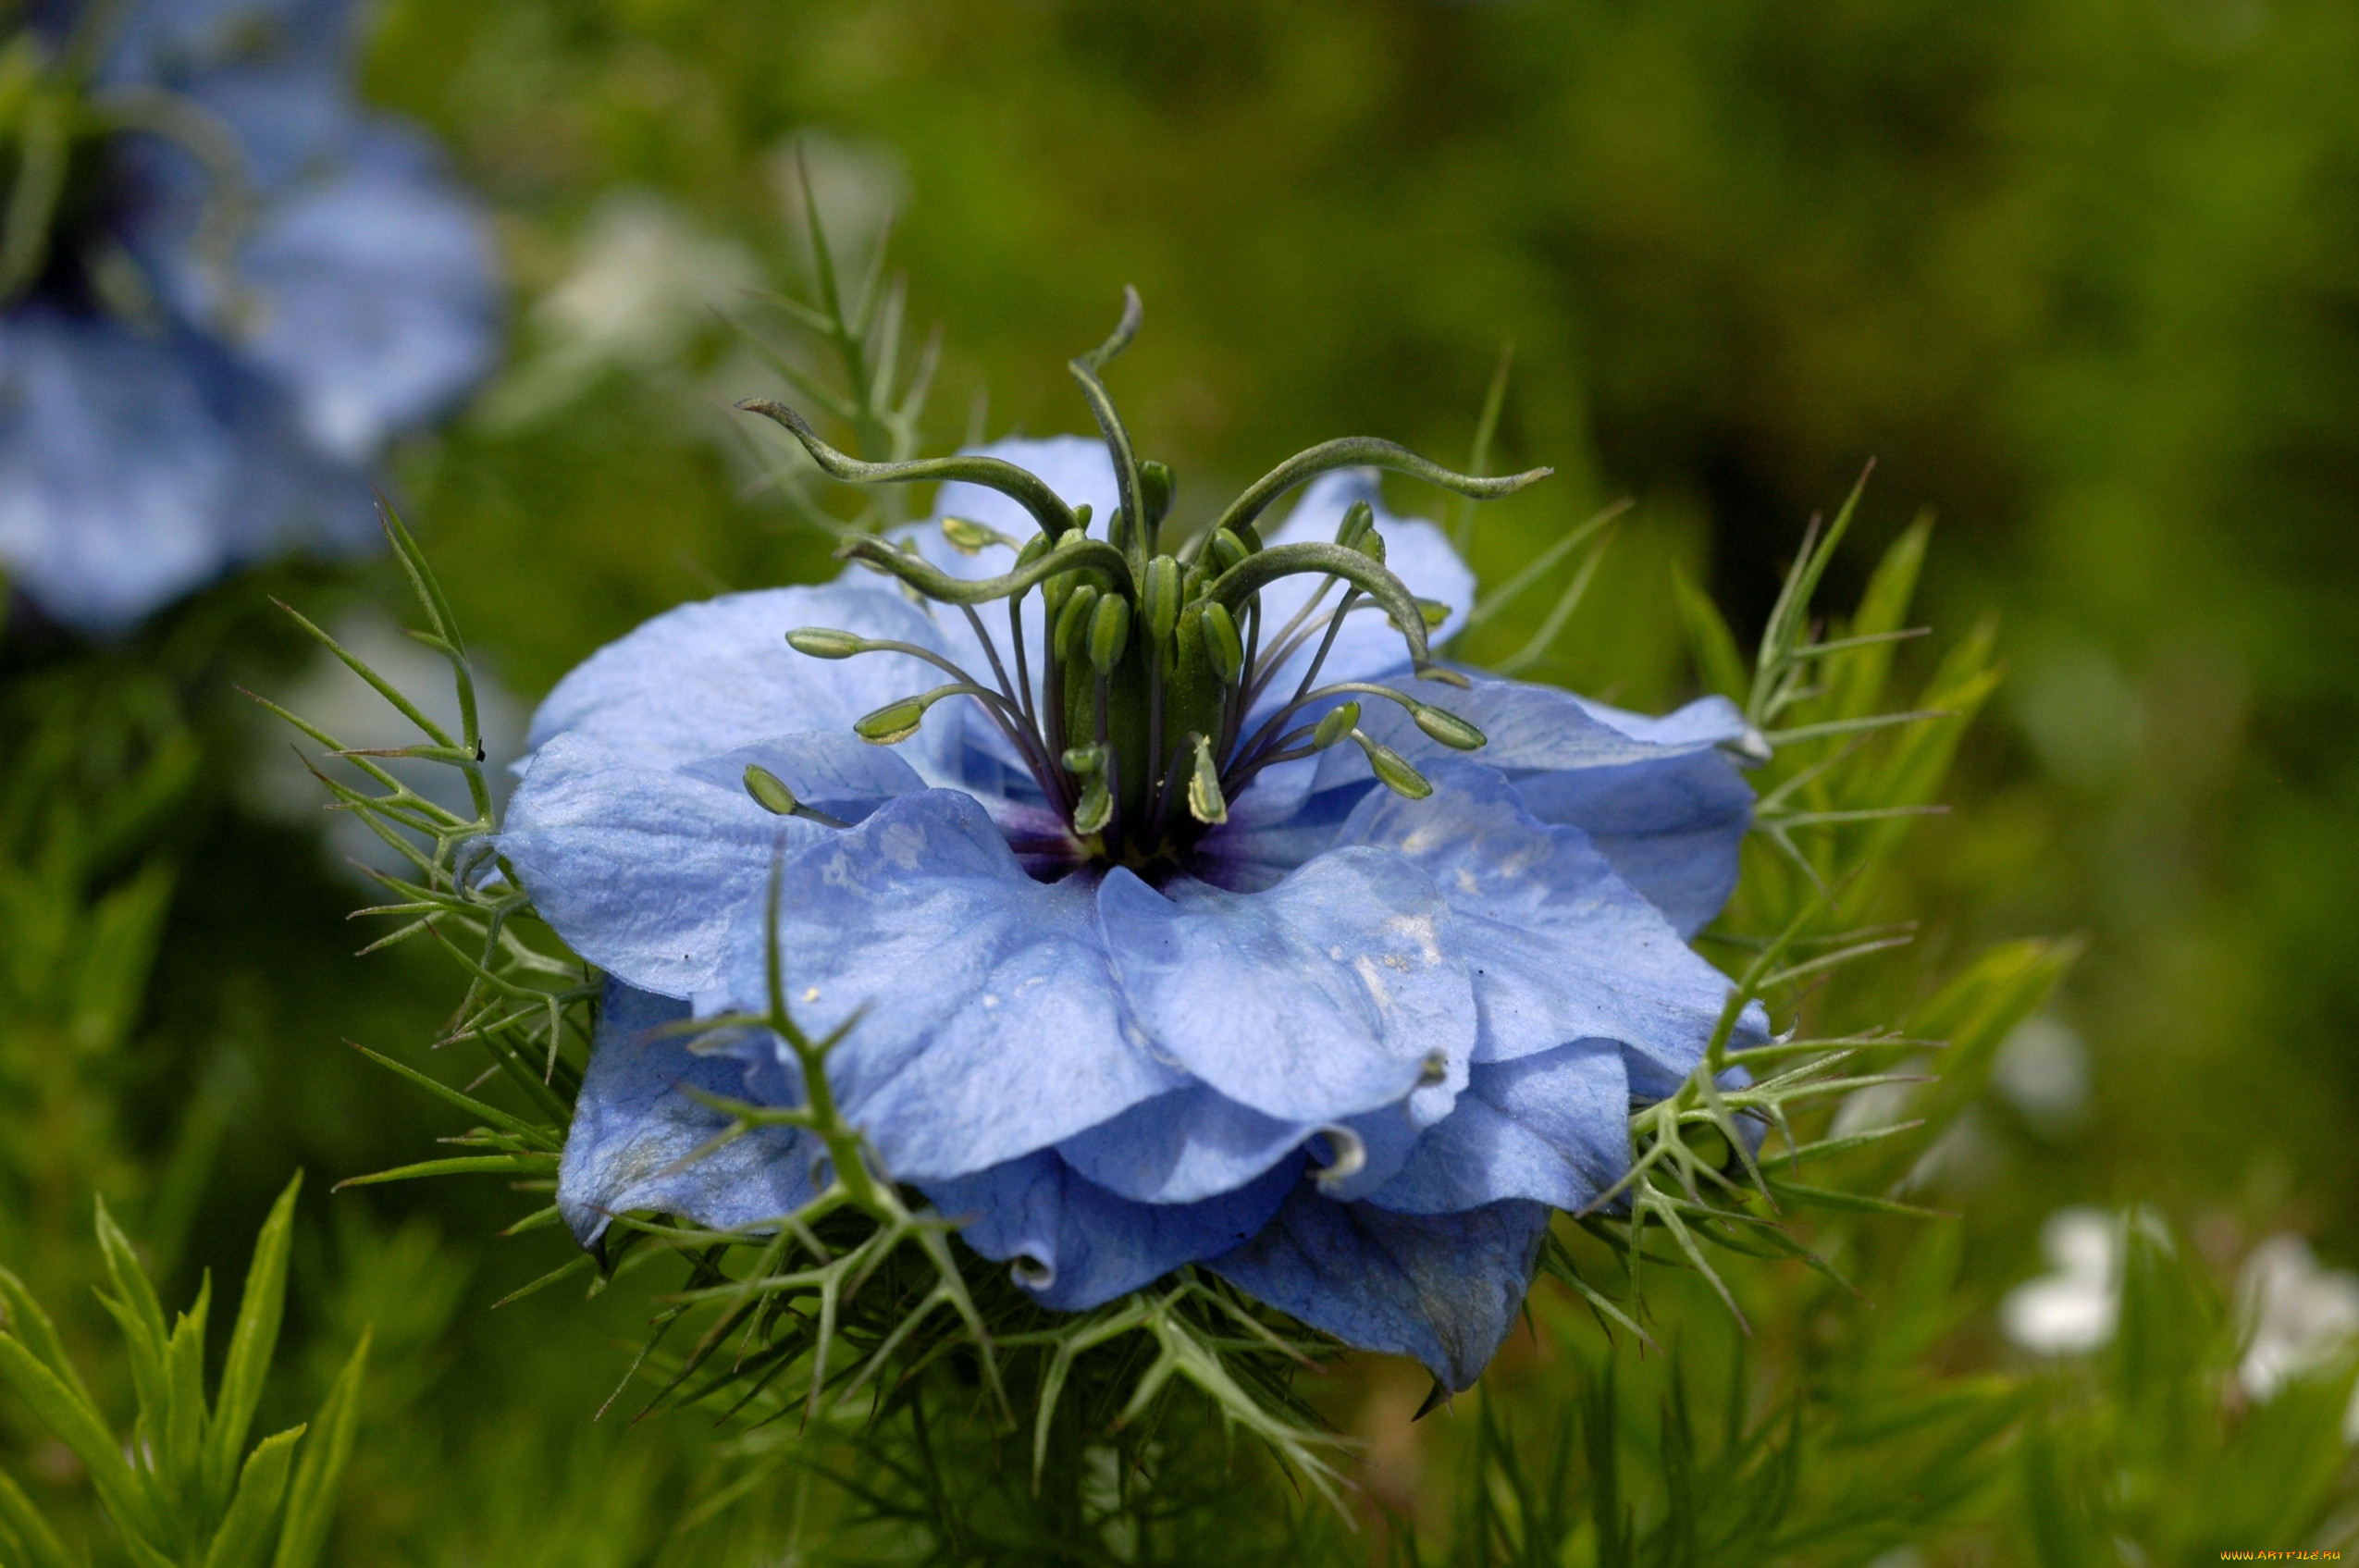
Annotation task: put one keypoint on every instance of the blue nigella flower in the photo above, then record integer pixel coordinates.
(1168, 943)
(222, 285)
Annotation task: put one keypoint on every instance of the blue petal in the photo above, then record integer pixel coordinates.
(647, 871)
(985, 1019)
(1445, 1288)
(631, 1125)
(133, 469)
(1190, 1143)
(708, 677)
(1560, 948)
(1327, 995)
(830, 771)
(1553, 1128)
(376, 295)
(1656, 796)
(1085, 1245)
(1367, 648)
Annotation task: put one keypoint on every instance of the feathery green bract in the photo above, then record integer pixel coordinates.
(184, 1490)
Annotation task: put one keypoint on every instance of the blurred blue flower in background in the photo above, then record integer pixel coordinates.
(1348, 1048)
(223, 285)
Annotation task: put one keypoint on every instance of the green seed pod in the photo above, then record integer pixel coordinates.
(1205, 803)
(1393, 768)
(1160, 599)
(770, 791)
(1073, 620)
(1339, 723)
(894, 721)
(1222, 644)
(1157, 486)
(970, 538)
(1109, 632)
(1447, 727)
(1225, 549)
(1358, 519)
(1095, 809)
(820, 642)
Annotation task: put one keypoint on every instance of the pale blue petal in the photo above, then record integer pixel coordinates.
(1657, 797)
(708, 677)
(133, 469)
(1327, 995)
(1177, 1148)
(376, 295)
(988, 1022)
(1553, 1128)
(1083, 1244)
(632, 1126)
(645, 870)
(1560, 948)
(1445, 1288)
(830, 771)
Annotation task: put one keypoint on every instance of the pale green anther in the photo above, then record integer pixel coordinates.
(1160, 599)
(770, 791)
(1392, 768)
(1096, 808)
(1205, 803)
(1447, 727)
(1358, 518)
(1225, 549)
(1339, 723)
(1157, 486)
(1034, 548)
(1109, 632)
(1191, 583)
(1084, 760)
(893, 722)
(1371, 544)
(1435, 613)
(1222, 644)
(1080, 522)
(821, 642)
(971, 539)
(1073, 620)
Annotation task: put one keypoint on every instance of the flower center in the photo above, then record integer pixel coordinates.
(1161, 695)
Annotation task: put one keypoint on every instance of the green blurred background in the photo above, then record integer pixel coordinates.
(2083, 278)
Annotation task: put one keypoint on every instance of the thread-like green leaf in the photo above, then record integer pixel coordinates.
(311, 1503)
(24, 1534)
(74, 1422)
(253, 1510)
(251, 1344)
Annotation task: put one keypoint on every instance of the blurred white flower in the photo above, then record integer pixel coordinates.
(2299, 1318)
(645, 282)
(2072, 1310)
(2043, 1070)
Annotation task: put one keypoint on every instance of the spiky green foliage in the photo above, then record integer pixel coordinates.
(184, 1489)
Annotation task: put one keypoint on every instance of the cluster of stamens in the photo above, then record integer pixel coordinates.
(1155, 662)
